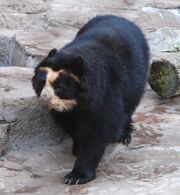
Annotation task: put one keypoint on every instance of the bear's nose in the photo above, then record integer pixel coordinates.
(45, 102)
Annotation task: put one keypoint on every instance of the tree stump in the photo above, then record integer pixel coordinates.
(164, 76)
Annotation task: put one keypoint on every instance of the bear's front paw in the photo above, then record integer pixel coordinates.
(75, 178)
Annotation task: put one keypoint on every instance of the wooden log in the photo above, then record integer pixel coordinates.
(164, 76)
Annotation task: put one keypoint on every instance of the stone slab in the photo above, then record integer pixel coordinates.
(5, 39)
(23, 124)
(28, 48)
(22, 6)
(148, 166)
(23, 14)
(64, 18)
(165, 40)
(148, 14)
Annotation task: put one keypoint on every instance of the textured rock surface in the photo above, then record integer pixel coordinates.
(165, 40)
(150, 165)
(28, 48)
(31, 19)
(23, 124)
(26, 14)
(148, 14)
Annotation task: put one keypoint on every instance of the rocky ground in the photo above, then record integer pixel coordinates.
(38, 156)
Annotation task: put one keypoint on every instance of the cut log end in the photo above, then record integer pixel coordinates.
(163, 78)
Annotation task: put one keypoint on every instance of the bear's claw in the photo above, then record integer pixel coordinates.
(73, 178)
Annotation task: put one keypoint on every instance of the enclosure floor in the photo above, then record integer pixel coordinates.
(149, 165)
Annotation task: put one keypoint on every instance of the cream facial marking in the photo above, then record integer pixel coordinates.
(52, 75)
(48, 99)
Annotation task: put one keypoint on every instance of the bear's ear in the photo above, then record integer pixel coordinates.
(52, 52)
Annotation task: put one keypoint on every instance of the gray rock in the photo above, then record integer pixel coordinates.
(150, 165)
(151, 18)
(28, 125)
(28, 48)
(23, 21)
(22, 6)
(30, 43)
(26, 14)
(165, 40)
(168, 4)
(4, 137)
(148, 14)
(5, 39)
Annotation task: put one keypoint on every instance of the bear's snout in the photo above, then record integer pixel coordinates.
(46, 97)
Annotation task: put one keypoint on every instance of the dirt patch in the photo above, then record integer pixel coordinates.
(77, 189)
(155, 173)
(35, 176)
(27, 189)
(10, 168)
(159, 109)
(127, 2)
(147, 135)
(147, 118)
(8, 88)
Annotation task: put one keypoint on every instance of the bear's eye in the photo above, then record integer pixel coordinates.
(61, 82)
(61, 88)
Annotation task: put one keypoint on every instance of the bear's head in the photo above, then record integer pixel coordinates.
(57, 81)
(69, 79)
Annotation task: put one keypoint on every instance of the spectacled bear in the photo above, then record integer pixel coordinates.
(92, 87)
